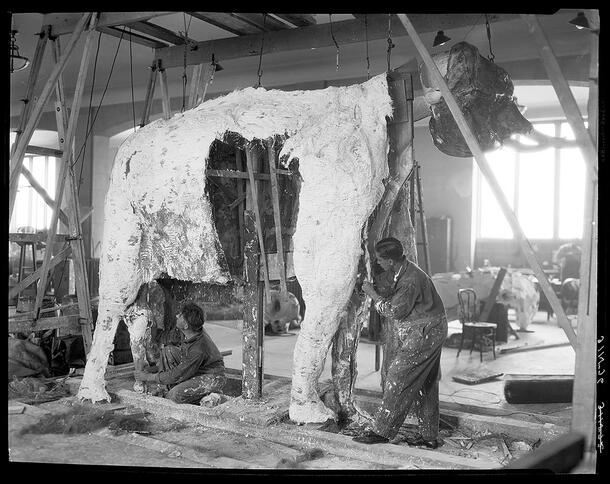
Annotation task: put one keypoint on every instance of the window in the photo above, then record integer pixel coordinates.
(30, 210)
(545, 188)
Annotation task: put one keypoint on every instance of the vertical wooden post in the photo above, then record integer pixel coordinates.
(209, 73)
(195, 83)
(36, 113)
(250, 332)
(165, 99)
(150, 92)
(479, 156)
(239, 164)
(32, 79)
(250, 155)
(275, 198)
(65, 163)
(585, 374)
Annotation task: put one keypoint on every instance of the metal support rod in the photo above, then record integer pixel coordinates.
(36, 113)
(275, 197)
(250, 154)
(481, 160)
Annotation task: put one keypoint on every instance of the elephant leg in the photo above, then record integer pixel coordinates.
(93, 384)
(137, 322)
(310, 353)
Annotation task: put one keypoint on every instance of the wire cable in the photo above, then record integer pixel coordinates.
(491, 56)
(366, 38)
(133, 104)
(260, 57)
(330, 18)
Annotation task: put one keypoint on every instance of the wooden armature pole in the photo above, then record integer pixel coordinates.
(479, 156)
(65, 166)
(275, 197)
(250, 154)
(586, 373)
(36, 113)
(566, 98)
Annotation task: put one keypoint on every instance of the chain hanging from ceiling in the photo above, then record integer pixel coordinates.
(330, 17)
(260, 57)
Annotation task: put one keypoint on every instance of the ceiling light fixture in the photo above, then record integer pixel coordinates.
(18, 62)
(440, 39)
(580, 21)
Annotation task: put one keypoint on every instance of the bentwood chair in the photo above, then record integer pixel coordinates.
(468, 315)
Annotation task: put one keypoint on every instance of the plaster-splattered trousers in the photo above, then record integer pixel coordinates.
(415, 330)
(412, 377)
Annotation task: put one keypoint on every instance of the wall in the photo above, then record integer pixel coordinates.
(447, 191)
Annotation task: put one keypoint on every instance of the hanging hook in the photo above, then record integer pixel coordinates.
(491, 56)
(330, 17)
(260, 57)
(390, 43)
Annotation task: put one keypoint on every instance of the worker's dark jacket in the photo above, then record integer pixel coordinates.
(198, 356)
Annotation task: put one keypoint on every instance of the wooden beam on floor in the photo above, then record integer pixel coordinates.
(481, 160)
(65, 23)
(589, 348)
(564, 94)
(315, 36)
(337, 444)
(559, 456)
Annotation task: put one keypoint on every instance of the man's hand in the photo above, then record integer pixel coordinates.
(144, 376)
(369, 289)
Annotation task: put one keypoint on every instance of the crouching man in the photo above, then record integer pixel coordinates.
(195, 368)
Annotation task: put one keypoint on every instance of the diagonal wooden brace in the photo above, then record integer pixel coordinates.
(479, 156)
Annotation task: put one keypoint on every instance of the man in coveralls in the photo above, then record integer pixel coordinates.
(416, 328)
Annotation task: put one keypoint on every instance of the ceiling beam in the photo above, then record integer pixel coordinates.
(228, 22)
(158, 32)
(297, 19)
(266, 23)
(316, 36)
(64, 23)
(135, 38)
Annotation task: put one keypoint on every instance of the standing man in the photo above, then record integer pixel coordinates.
(416, 330)
(195, 368)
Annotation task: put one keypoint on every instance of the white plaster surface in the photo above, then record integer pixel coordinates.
(157, 218)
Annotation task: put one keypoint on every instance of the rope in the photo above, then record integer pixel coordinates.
(260, 57)
(133, 104)
(491, 56)
(390, 43)
(330, 18)
(101, 102)
(366, 37)
(473, 26)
